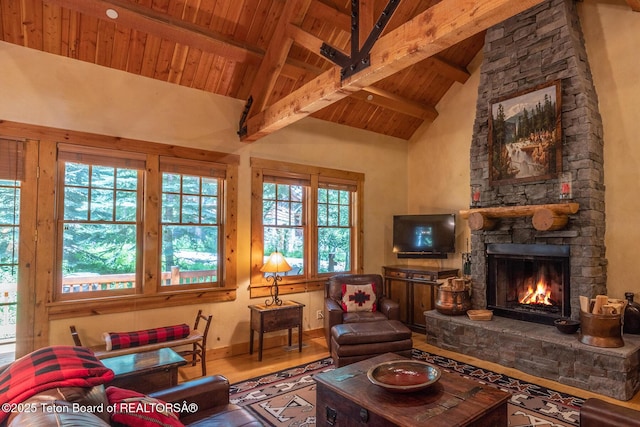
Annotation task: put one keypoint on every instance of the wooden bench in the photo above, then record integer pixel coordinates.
(197, 338)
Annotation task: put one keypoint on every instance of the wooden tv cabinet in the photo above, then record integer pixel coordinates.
(414, 288)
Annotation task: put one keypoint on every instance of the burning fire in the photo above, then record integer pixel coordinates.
(541, 295)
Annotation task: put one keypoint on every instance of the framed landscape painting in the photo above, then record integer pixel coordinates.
(525, 136)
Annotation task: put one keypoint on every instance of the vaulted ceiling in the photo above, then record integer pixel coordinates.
(269, 51)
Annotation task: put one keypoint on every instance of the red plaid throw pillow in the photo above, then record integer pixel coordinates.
(116, 340)
(131, 408)
(47, 368)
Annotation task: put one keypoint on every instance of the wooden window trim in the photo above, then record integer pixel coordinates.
(263, 170)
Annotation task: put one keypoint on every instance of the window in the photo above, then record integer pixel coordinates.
(311, 215)
(191, 212)
(116, 238)
(11, 173)
(100, 227)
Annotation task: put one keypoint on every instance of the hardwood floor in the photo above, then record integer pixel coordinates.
(275, 358)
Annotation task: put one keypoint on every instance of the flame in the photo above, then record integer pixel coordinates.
(541, 295)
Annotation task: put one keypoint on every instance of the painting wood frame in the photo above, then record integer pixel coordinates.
(525, 135)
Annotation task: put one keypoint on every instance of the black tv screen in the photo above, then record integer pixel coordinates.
(428, 236)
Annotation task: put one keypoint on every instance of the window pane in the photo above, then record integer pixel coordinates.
(170, 207)
(268, 191)
(290, 242)
(334, 232)
(191, 185)
(76, 174)
(283, 192)
(209, 210)
(322, 195)
(170, 183)
(127, 179)
(76, 203)
(102, 205)
(98, 257)
(189, 254)
(190, 230)
(9, 241)
(209, 187)
(190, 209)
(126, 206)
(102, 177)
(333, 250)
(100, 232)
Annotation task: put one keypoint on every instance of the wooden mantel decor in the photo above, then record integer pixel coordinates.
(545, 217)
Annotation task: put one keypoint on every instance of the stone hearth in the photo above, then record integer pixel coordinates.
(541, 350)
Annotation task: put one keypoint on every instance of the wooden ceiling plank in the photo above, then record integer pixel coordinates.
(366, 20)
(11, 22)
(164, 26)
(385, 99)
(32, 22)
(430, 32)
(52, 27)
(276, 54)
(326, 13)
(104, 43)
(88, 38)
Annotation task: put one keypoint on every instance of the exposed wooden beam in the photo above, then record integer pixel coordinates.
(634, 4)
(308, 41)
(385, 99)
(276, 55)
(449, 70)
(144, 19)
(439, 27)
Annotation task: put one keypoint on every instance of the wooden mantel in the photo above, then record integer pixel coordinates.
(548, 217)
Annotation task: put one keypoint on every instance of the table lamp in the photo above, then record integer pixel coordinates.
(275, 264)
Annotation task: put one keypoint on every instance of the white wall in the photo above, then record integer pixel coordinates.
(48, 90)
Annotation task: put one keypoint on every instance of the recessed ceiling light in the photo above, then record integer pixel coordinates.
(370, 97)
(112, 13)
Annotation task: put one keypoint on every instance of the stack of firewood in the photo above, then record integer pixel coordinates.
(602, 304)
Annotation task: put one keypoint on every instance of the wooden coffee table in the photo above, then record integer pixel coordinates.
(145, 372)
(346, 397)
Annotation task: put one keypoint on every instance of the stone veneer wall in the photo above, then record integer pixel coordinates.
(542, 45)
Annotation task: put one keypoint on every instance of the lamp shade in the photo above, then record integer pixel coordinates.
(276, 264)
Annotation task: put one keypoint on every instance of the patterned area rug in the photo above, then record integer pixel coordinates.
(287, 398)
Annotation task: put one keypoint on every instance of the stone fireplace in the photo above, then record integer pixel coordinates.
(542, 45)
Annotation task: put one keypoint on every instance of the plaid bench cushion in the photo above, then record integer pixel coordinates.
(47, 368)
(117, 340)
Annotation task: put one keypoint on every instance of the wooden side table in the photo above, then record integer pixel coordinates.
(275, 318)
(146, 372)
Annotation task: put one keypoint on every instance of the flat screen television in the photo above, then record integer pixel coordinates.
(424, 236)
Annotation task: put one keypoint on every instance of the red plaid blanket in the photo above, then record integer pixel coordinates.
(47, 368)
(116, 340)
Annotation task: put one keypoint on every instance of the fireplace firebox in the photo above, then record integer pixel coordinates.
(528, 282)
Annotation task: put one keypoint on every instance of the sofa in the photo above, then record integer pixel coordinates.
(599, 413)
(69, 386)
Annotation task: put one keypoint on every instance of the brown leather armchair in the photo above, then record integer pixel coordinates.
(386, 309)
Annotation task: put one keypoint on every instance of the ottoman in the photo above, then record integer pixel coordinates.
(352, 342)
